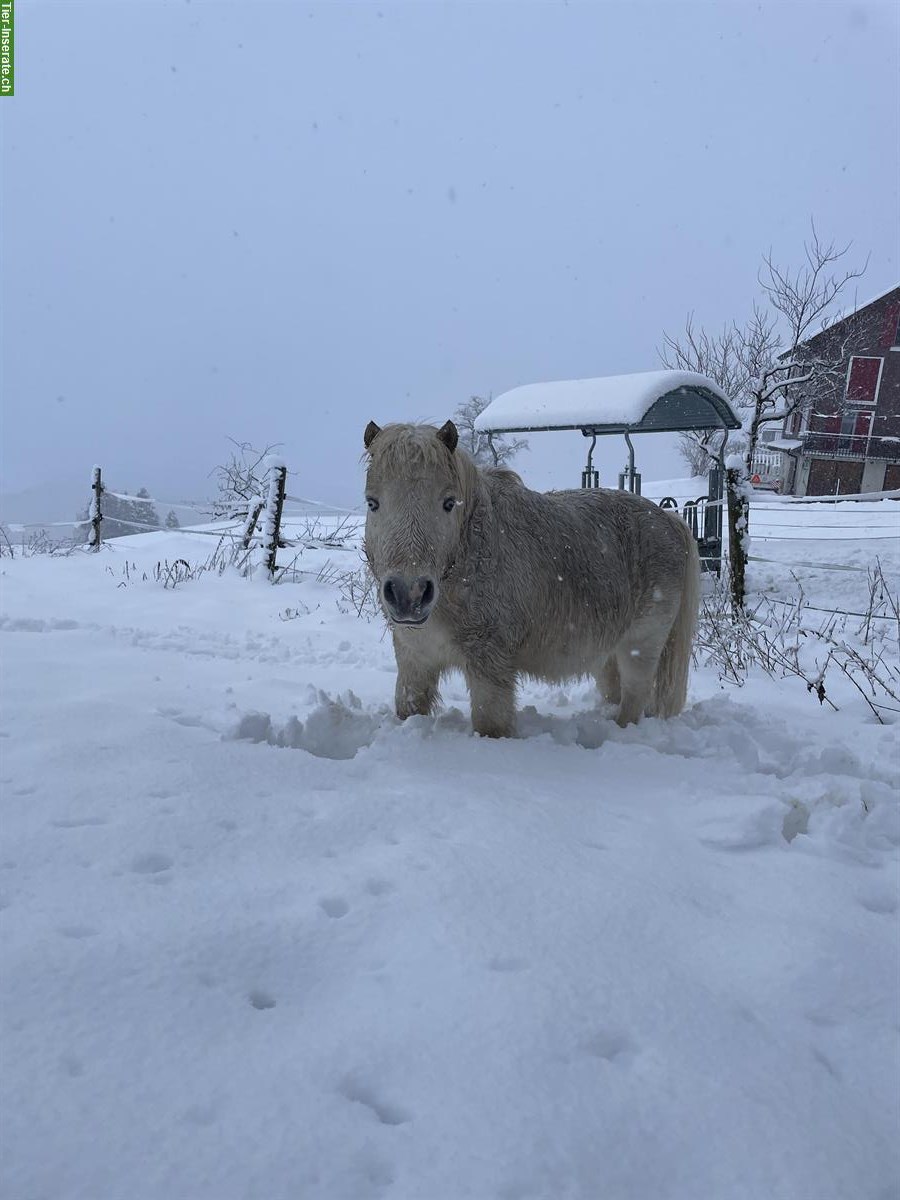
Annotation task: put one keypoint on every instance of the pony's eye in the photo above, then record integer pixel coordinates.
(450, 504)
(372, 503)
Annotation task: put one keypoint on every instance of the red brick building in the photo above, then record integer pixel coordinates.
(846, 437)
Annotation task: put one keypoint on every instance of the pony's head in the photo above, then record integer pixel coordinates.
(416, 490)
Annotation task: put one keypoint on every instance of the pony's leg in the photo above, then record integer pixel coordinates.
(608, 681)
(416, 693)
(493, 705)
(637, 657)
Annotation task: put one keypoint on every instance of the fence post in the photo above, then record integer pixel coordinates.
(738, 528)
(272, 516)
(96, 514)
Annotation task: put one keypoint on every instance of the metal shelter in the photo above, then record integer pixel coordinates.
(647, 402)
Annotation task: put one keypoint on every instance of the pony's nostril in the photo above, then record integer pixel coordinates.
(390, 594)
(427, 593)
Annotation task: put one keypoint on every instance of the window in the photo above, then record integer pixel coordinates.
(863, 378)
(855, 429)
(856, 424)
(891, 333)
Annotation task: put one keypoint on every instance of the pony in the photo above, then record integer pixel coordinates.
(478, 573)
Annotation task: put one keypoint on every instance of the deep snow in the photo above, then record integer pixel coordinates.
(262, 940)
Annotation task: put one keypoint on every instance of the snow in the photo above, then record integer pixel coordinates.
(572, 403)
(261, 939)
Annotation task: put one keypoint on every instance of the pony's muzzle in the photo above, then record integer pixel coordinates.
(408, 601)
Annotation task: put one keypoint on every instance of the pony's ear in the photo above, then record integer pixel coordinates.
(372, 432)
(449, 435)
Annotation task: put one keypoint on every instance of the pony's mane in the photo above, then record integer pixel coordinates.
(397, 448)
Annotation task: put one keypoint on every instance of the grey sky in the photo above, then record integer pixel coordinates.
(275, 221)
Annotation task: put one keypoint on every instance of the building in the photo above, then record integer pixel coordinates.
(845, 438)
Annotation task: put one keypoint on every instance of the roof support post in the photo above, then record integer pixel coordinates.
(629, 475)
(589, 477)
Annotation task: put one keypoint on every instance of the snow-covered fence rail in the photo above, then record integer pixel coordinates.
(268, 508)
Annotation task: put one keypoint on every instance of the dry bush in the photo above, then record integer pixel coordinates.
(796, 639)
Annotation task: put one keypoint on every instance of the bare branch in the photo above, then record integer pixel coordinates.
(804, 296)
(488, 449)
(240, 480)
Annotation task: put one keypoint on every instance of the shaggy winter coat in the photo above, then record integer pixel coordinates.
(477, 572)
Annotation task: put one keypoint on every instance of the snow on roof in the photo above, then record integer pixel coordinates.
(612, 404)
(784, 444)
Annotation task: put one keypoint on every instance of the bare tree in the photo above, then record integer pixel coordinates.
(488, 449)
(802, 299)
(765, 366)
(241, 481)
(721, 357)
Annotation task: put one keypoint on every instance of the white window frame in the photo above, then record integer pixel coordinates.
(874, 401)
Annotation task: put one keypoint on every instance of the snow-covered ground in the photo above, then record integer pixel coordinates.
(261, 940)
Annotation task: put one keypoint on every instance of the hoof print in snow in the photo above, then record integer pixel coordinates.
(71, 1065)
(882, 901)
(824, 1061)
(79, 822)
(508, 964)
(796, 821)
(379, 887)
(609, 1045)
(334, 906)
(78, 931)
(261, 1000)
(201, 1114)
(359, 1092)
(150, 864)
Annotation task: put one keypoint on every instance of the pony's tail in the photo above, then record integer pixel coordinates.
(675, 661)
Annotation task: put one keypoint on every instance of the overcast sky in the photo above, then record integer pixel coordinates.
(275, 221)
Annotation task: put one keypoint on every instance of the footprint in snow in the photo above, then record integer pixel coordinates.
(261, 1000)
(360, 1092)
(200, 1114)
(79, 822)
(334, 906)
(882, 900)
(508, 964)
(610, 1045)
(78, 931)
(150, 864)
(71, 1065)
